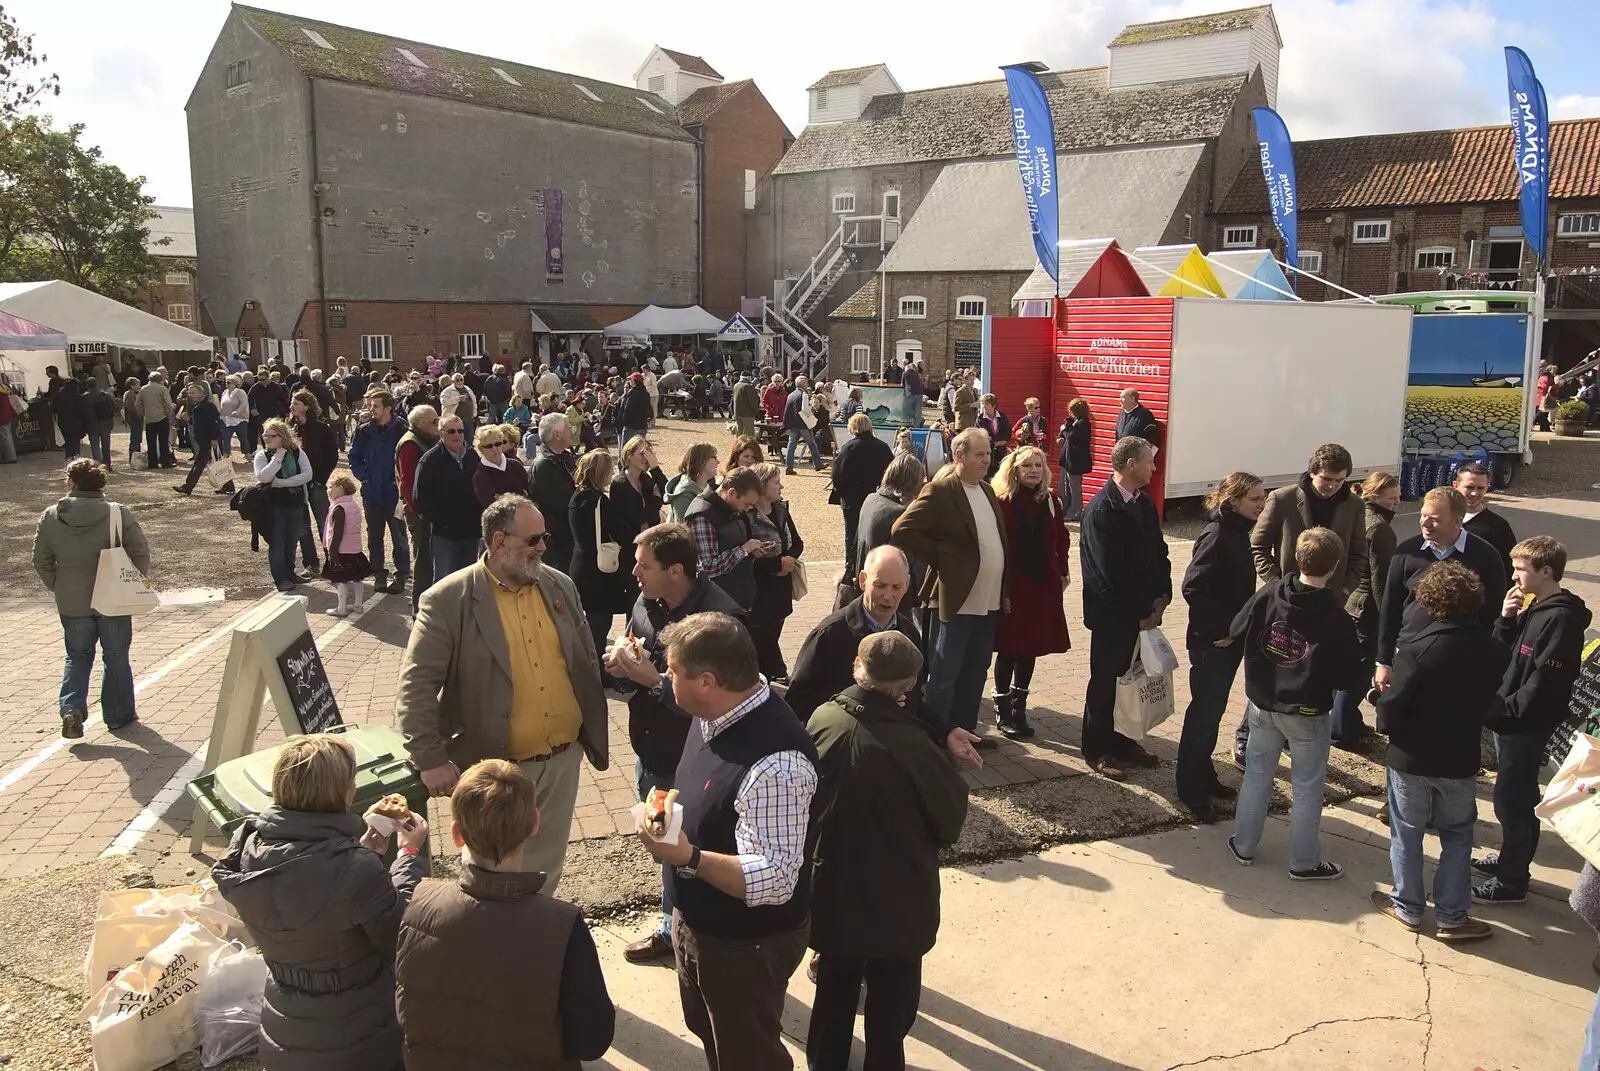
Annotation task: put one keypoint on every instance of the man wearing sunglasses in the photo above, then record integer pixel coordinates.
(501, 665)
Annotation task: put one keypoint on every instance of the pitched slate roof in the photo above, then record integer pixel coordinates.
(369, 58)
(973, 120)
(846, 76)
(974, 217)
(1425, 167)
(691, 64)
(1193, 26)
(862, 305)
(703, 103)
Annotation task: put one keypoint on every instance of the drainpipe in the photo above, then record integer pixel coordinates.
(883, 320)
(317, 188)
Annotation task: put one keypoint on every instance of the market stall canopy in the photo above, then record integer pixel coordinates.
(1090, 267)
(562, 320)
(1177, 271)
(654, 320)
(84, 316)
(738, 329)
(1255, 275)
(19, 334)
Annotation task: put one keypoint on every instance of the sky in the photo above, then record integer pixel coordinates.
(1348, 66)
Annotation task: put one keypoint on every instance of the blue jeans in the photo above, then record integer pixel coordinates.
(381, 518)
(312, 522)
(451, 555)
(1591, 1041)
(1348, 725)
(1211, 673)
(810, 438)
(282, 540)
(645, 779)
(1516, 792)
(100, 446)
(1451, 803)
(115, 636)
(135, 438)
(958, 665)
(240, 430)
(1308, 769)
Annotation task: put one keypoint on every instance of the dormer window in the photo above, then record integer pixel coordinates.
(822, 98)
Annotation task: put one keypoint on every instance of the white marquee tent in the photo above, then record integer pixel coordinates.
(84, 316)
(654, 320)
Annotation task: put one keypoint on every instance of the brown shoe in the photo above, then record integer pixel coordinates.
(1108, 767)
(1136, 755)
(1385, 903)
(652, 948)
(1470, 930)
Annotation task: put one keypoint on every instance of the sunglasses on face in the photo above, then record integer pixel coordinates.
(454, 431)
(536, 540)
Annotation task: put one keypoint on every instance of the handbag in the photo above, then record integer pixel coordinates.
(219, 473)
(808, 418)
(1571, 803)
(798, 579)
(120, 589)
(1144, 700)
(607, 556)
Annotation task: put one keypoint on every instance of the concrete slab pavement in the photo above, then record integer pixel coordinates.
(1161, 953)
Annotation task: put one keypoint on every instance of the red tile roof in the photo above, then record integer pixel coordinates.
(1424, 168)
(703, 103)
(691, 64)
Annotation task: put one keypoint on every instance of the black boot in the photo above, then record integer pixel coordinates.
(1019, 714)
(1004, 719)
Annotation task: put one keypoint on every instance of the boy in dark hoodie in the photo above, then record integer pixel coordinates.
(1543, 625)
(1444, 680)
(1299, 648)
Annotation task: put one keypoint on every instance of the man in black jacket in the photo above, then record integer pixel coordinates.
(1443, 538)
(205, 429)
(1444, 680)
(1136, 420)
(550, 485)
(1543, 627)
(1473, 480)
(497, 388)
(719, 520)
(1127, 585)
(666, 565)
(445, 498)
(636, 411)
(858, 468)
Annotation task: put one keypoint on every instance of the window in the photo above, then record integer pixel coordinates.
(238, 73)
(822, 99)
(411, 58)
(1435, 257)
(657, 83)
(177, 278)
(1238, 237)
(1188, 227)
(652, 107)
(1311, 261)
(913, 308)
(844, 202)
(377, 347)
(505, 76)
(179, 314)
(470, 345)
(1372, 231)
(317, 39)
(971, 308)
(891, 204)
(860, 359)
(586, 91)
(1578, 224)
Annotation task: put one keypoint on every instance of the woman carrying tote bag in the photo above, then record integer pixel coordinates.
(67, 547)
(595, 550)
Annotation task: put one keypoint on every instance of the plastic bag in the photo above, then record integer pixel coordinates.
(145, 1016)
(1156, 652)
(228, 1010)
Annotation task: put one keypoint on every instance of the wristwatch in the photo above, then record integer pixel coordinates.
(659, 686)
(693, 866)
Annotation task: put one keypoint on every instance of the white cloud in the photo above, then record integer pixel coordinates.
(1575, 106)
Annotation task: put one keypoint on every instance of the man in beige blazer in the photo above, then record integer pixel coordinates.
(501, 665)
(956, 526)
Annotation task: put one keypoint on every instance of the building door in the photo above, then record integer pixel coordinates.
(907, 347)
(1504, 262)
(891, 204)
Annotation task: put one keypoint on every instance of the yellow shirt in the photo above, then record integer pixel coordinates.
(544, 710)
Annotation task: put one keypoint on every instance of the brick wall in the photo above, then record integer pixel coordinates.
(845, 334)
(157, 298)
(941, 329)
(744, 134)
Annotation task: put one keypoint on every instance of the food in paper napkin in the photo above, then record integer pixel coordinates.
(658, 810)
(389, 813)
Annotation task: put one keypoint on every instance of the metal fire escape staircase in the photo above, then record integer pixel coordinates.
(804, 349)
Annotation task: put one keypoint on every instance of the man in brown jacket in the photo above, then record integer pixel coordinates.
(501, 664)
(965, 402)
(487, 972)
(955, 525)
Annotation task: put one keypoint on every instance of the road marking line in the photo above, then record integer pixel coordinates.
(172, 791)
(159, 674)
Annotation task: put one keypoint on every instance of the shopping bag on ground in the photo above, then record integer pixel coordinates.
(138, 461)
(219, 473)
(145, 1016)
(1144, 700)
(228, 1011)
(120, 589)
(1156, 652)
(130, 922)
(1571, 803)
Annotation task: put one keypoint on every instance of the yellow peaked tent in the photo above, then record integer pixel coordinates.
(1177, 271)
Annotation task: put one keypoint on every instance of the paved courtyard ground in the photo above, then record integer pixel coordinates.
(1108, 934)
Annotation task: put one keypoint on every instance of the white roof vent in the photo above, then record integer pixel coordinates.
(317, 39)
(411, 58)
(652, 107)
(586, 91)
(505, 76)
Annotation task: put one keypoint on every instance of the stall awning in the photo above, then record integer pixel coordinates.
(84, 316)
(19, 334)
(1176, 271)
(1251, 275)
(655, 320)
(559, 320)
(1089, 267)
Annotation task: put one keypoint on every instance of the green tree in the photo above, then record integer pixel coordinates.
(21, 85)
(67, 214)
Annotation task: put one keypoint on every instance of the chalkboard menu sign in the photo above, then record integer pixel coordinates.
(307, 682)
(969, 353)
(1585, 700)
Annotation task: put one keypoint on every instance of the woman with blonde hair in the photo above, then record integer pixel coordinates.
(593, 522)
(696, 472)
(772, 522)
(307, 877)
(1381, 493)
(1035, 621)
(282, 466)
(499, 471)
(1220, 579)
(636, 501)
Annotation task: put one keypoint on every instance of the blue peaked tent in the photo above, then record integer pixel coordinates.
(1253, 276)
(738, 329)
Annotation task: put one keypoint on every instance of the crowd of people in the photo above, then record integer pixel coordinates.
(815, 797)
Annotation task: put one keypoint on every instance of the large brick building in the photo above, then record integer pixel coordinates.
(172, 295)
(1395, 213)
(1166, 124)
(374, 197)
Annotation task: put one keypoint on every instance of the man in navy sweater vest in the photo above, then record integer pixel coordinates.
(740, 874)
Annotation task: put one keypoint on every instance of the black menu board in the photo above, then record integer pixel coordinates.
(307, 681)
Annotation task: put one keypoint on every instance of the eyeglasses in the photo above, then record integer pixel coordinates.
(535, 540)
(454, 431)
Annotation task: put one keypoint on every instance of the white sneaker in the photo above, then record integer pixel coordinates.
(336, 611)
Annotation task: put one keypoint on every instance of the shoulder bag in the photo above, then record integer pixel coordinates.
(607, 555)
(120, 589)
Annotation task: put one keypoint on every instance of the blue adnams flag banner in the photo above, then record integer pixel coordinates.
(1277, 167)
(1530, 125)
(1034, 133)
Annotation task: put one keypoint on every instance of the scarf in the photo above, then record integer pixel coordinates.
(290, 466)
(1033, 537)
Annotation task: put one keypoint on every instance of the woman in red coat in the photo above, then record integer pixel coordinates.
(1035, 621)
